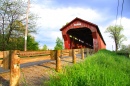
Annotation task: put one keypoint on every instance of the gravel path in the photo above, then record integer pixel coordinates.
(36, 73)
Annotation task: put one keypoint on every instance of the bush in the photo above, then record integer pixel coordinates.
(124, 54)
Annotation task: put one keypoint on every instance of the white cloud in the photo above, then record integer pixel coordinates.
(52, 19)
(56, 18)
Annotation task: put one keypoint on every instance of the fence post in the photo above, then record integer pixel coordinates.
(6, 60)
(79, 51)
(82, 53)
(73, 56)
(88, 52)
(93, 51)
(70, 52)
(58, 62)
(53, 55)
(14, 69)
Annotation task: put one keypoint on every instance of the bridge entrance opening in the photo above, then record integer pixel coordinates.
(80, 38)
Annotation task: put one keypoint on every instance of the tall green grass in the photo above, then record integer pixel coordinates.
(105, 68)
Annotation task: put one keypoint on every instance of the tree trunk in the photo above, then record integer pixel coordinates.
(116, 46)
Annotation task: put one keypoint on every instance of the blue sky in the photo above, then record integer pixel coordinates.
(53, 14)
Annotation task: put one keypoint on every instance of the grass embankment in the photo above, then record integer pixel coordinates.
(105, 68)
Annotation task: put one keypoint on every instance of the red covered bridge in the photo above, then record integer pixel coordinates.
(82, 34)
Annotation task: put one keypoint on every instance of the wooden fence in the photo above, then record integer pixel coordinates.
(12, 59)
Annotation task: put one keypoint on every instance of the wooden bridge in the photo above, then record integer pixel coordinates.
(80, 33)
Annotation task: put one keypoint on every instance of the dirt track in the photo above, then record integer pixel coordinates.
(36, 75)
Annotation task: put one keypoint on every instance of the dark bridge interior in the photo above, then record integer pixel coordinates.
(80, 37)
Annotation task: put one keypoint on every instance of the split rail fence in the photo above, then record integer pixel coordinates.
(12, 59)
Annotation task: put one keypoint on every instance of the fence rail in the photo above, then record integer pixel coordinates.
(12, 59)
(33, 53)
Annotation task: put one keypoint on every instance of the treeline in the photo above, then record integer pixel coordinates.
(125, 48)
(18, 44)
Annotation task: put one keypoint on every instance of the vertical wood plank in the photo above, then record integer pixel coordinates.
(6, 60)
(88, 52)
(58, 61)
(79, 51)
(14, 69)
(70, 52)
(73, 56)
(53, 54)
(93, 51)
(82, 53)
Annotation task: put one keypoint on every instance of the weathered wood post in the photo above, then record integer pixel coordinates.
(14, 69)
(73, 56)
(53, 54)
(78, 51)
(91, 51)
(70, 52)
(6, 60)
(88, 52)
(58, 62)
(82, 53)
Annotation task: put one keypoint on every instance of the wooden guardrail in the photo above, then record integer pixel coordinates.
(32, 56)
(13, 59)
(33, 53)
(65, 52)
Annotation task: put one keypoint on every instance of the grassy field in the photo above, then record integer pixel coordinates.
(104, 68)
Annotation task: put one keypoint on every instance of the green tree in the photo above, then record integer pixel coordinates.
(116, 35)
(12, 21)
(44, 47)
(59, 44)
(16, 38)
(15, 43)
(31, 43)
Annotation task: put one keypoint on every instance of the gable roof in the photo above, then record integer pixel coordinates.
(85, 22)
